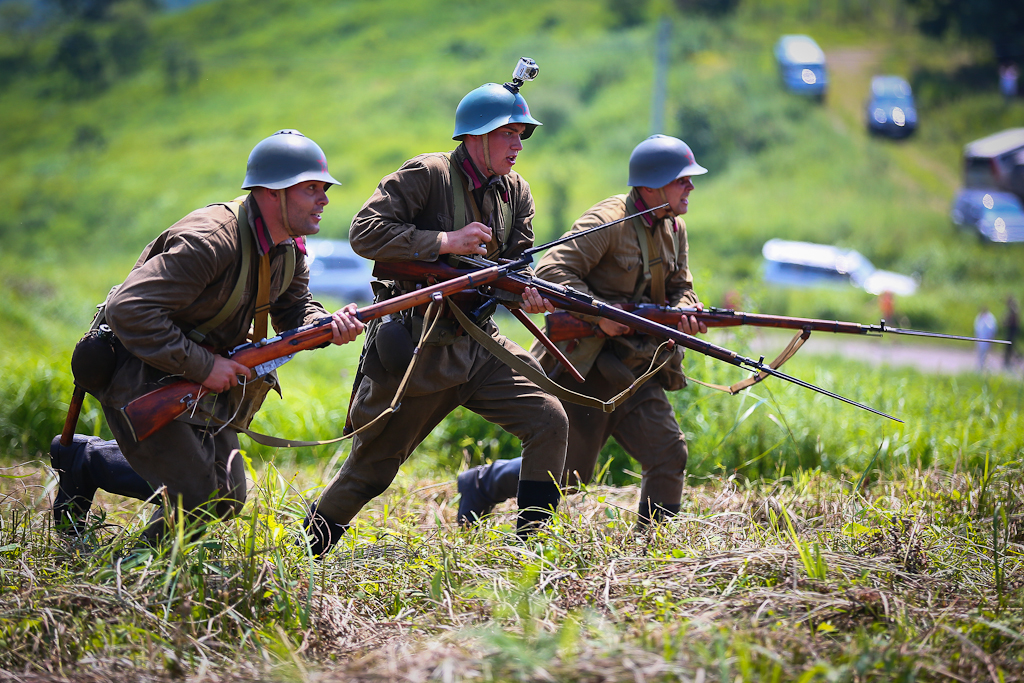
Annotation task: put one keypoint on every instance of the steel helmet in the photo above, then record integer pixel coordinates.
(659, 160)
(284, 159)
(491, 106)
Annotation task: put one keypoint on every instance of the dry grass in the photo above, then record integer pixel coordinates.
(917, 577)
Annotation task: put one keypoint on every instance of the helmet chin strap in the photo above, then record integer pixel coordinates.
(284, 212)
(664, 200)
(487, 155)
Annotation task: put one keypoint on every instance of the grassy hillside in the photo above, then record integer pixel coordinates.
(92, 176)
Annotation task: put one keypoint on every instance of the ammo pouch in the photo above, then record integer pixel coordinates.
(98, 354)
(390, 342)
(94, 359)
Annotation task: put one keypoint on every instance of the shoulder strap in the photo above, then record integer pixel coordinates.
(653, 269)
(237, 207)
(198, 334)
(460, 219)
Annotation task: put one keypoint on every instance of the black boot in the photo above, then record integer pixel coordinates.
(88, 464)
(485, 486)
(537, 503)
(657, 512)
(322, 532)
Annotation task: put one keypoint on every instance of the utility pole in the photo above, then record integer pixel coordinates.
(660, 76)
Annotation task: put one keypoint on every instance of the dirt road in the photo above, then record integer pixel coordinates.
(953, 358)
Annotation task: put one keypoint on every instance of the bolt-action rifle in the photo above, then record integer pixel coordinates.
(150, 412)
(562, 326)
(570, 299)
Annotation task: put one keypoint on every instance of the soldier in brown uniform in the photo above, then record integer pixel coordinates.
(175, 316)
(412, 216)
(641, 261)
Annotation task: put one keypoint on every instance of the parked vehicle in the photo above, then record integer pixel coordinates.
(336, 271)
(802, 66)
(996, 162)
(890, 109)
(995, 216)
(805, 264)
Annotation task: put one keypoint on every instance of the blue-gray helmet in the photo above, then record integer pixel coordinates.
(489, 107)
(284, 159)
(659, 160)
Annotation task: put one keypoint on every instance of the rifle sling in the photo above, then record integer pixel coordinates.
(542, 380)
(277, 442)
(237, 206)
(794, 345)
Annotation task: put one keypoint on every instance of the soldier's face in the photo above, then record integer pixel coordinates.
(504, 145)
(677, 194)
(305, 206)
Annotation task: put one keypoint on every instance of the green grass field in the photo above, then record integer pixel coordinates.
(816, 542)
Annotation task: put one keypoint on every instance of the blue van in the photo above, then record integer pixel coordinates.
(802, 66)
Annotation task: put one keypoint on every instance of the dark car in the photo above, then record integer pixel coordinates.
(802, 66)
(336, 271)
(996, 216)
(890, 109)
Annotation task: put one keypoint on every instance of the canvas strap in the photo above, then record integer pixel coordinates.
(653, 268)
(396, 402)
(794, 345)
(461, 218)
(543, 381)
(237, 206)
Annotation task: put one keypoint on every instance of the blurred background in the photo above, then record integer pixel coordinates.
(117, 117)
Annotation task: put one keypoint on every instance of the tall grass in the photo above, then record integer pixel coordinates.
(801, 579)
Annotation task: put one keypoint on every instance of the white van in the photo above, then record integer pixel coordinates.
(805, 264)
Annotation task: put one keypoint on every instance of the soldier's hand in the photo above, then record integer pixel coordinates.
(689, 324)
(612, 328)
(471, 239)
(225, 374)
(346, 325)
(533, 302)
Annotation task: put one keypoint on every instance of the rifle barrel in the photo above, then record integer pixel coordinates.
(570, 299)
(582, 233)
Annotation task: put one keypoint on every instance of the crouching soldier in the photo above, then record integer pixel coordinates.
(192, 296)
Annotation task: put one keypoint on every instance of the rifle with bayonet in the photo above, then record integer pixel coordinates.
(562, 326)
(569, 299)
(149, 413)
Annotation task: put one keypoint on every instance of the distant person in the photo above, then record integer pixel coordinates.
(1012, 324)
(192, 297)
(887, 305)
(1008, 80)
(985, 327)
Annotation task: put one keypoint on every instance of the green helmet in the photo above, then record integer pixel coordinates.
(659, 160)
(284, 159)
(492, 106)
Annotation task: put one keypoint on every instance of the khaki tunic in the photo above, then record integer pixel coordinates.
(182, 279)
(402, 221)
(609, 266)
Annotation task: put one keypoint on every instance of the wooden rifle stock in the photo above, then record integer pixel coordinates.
(149, 413)
(569, 299)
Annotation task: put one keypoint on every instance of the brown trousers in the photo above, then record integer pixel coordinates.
(646, 428)
(191, 462)
(494, 391)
